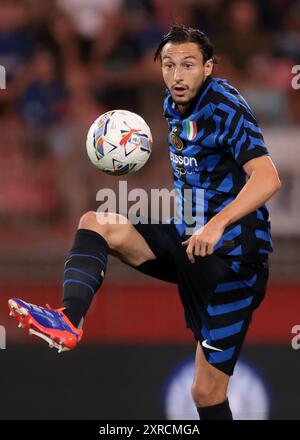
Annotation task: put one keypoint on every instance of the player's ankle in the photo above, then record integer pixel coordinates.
(74, 312)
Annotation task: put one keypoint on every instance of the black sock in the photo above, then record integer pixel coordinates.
(221, 411)
(84, 273)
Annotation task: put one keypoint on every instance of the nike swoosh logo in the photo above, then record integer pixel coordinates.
(206, 345)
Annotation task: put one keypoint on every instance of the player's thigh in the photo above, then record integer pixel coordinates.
(160, 268)
(163, 240)
(124, 241)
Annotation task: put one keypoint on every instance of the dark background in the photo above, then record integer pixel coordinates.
(107, 382)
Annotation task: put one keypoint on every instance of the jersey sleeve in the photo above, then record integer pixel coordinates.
(239, 132)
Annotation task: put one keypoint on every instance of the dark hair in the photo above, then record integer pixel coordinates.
(182, 34)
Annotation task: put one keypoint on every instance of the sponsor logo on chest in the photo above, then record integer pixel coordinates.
(186, 161)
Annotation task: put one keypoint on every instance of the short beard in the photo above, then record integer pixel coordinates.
(184, 102)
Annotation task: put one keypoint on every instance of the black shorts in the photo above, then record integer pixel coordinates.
(218, 293)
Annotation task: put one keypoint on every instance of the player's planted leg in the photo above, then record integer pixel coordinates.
(209, 390)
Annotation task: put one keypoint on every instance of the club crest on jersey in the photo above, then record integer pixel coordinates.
(176, 141)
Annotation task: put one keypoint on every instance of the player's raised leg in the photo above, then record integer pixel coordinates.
(209, 390)
(98, 235)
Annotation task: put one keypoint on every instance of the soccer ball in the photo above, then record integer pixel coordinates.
(119, 142)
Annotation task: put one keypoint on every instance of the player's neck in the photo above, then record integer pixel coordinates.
(184, 109)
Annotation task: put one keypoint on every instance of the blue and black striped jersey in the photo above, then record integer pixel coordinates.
(208, 147)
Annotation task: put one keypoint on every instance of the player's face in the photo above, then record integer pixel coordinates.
(184, 71)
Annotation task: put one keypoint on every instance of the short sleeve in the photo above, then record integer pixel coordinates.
(239, 132)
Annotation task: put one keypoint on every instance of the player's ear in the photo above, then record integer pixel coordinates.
(208, 67)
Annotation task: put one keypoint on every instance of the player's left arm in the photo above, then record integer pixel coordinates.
(262, 183)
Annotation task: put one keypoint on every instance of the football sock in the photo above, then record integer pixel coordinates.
(84, 273)
(221, 411)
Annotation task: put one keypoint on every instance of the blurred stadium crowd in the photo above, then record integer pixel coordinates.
(67, 61)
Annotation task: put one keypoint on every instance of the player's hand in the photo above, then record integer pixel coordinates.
(203, 241)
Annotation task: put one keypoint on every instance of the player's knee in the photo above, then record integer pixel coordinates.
(90, 220)
(201, 393)
(87, 220)
(118, 232)
(207, 393)
(110, 225)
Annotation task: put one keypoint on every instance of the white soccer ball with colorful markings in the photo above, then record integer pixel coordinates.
(119, 142)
